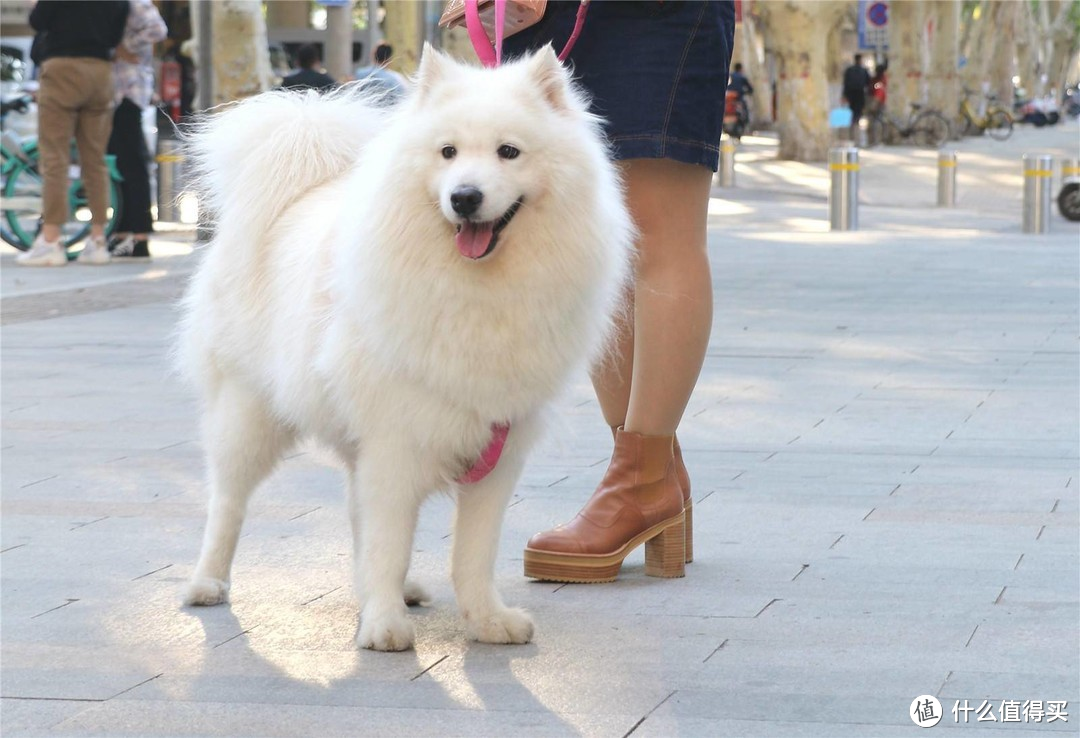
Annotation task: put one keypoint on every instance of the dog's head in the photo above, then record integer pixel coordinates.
(494, 143)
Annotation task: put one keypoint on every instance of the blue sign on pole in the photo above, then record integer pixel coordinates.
(874, 24)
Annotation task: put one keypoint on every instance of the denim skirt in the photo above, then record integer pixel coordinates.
(656, 71)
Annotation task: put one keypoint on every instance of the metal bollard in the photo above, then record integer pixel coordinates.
(727, 163)
(1070, 170)
(170, 161)
(1038, 171)
(844, 189)
(946, 179)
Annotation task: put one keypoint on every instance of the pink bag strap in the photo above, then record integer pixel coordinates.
(579, 23)
(491, 56)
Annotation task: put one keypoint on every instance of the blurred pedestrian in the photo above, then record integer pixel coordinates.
(856, 87)
(879, 85)
(75, 100)
(309, 76)
(379, 75)
(739, 83)
(133, 77)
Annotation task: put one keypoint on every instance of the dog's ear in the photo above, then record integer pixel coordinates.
(433, 65)
(550, 77)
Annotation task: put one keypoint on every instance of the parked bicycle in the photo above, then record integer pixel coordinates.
(995, 120)
(20, 184)
(923, 127)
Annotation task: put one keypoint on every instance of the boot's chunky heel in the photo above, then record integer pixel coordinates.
(665, 555)
(638, 501)
(688, 512)
(688, 503)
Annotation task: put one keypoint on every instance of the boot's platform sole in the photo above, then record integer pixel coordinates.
(665, 556)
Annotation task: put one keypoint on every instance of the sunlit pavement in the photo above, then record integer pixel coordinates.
(884, 453)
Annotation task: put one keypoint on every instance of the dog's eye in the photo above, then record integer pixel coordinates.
(506, 151)
(448, 152)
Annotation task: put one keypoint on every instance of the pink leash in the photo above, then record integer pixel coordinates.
(491, 55)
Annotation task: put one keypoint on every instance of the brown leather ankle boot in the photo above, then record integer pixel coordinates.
(683, 478)
(688, 502)
(638, 501)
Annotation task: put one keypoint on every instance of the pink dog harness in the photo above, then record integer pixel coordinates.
(489, 457)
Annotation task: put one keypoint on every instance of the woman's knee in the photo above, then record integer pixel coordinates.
(669, 202)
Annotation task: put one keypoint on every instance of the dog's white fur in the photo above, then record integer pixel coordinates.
(333, 304)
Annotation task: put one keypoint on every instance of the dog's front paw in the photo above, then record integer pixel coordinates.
(385, 632)
(206, 591)
(508, 625)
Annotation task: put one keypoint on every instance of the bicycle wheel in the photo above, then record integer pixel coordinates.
(23, 210)
(875, 132)
(930, 129)
(999, 125)
(80, 208)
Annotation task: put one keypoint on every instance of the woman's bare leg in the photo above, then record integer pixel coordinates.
(657, 360)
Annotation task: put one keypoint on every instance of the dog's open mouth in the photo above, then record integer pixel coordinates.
(477, 240)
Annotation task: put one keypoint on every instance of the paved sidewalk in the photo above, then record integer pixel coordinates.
(884, 451)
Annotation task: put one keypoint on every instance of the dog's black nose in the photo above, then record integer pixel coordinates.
(465, 200)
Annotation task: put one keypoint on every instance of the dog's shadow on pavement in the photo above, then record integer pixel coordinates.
(263, 663)
(513, 678)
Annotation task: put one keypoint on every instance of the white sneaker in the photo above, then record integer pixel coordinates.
(94, 252)
(43, 254)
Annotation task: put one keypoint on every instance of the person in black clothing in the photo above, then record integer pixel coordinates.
(308, 77)
(75, 100)
(856, 85)
(739, 82)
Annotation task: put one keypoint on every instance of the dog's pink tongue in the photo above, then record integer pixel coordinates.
(473, 239)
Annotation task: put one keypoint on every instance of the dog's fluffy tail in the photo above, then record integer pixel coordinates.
(253, 158)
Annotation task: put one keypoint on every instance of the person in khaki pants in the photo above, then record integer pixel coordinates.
(75, 100)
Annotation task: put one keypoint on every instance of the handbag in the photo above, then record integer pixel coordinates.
(489, 20)
(520, 14)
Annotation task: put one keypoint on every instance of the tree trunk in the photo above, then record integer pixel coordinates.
(907, 56)
(403, 24)
(1001, 57)
(1063, 46)
(750, 51)
(241, 57)
(978, 38)
(1027, 48)
(799, 36)
(338, 47)
(942, 79)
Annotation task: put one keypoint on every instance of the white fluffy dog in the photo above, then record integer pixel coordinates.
(401, 286)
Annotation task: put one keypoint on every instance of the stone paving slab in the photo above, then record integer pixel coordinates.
(885, 451)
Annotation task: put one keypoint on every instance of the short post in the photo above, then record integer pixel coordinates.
(727, 163)
(844, 189)
(1070, 170)
(946, 179)
(1038, 172)
(170, 160)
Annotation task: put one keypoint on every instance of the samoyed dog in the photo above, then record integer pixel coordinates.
(409, 288)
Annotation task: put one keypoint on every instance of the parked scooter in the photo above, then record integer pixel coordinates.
(1069, 198)
(1039, 111)
(736, 115)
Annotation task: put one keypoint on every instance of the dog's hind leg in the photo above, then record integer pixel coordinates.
(477, 525)
(388, 493)
(243, 444)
